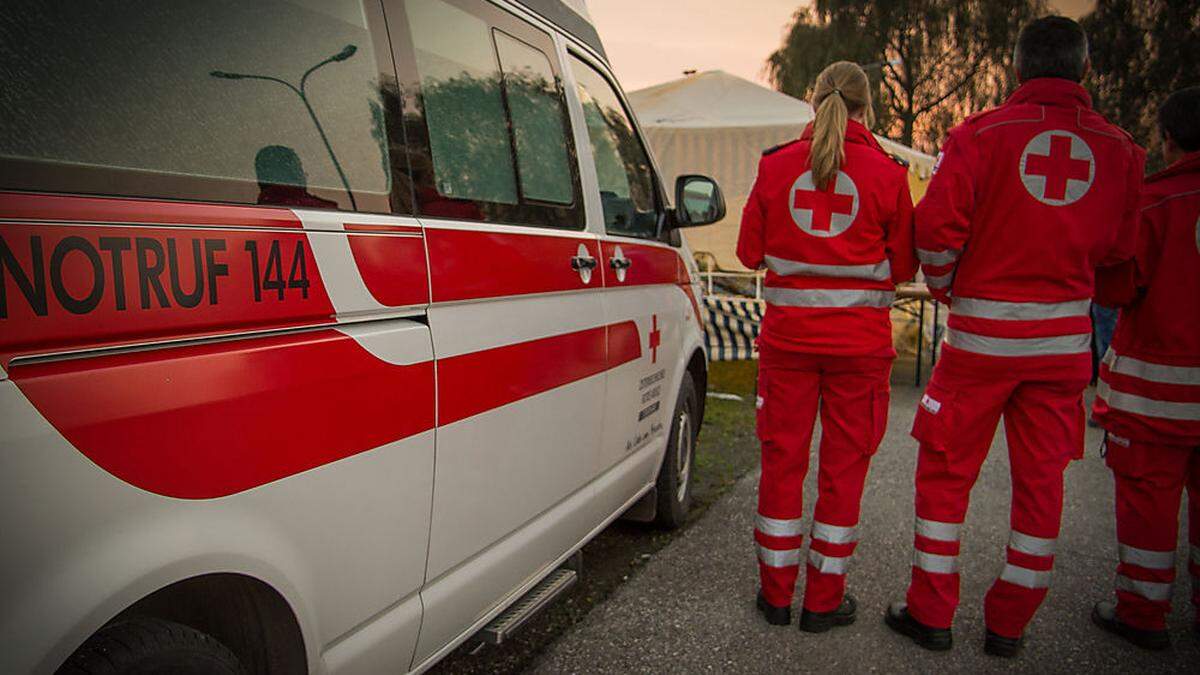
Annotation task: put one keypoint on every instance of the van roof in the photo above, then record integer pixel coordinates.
(571, 16)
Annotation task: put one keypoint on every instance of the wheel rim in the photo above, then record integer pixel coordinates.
(684, 456)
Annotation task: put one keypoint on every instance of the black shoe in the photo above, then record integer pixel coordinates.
(934, 639)
(998, 645)
(819, 622)
(776, 616)
(1104, 615)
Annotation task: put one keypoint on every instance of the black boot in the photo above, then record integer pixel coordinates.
(998, 645)
(776, 616)
(819, 622)
(933, 639)
(1104, 615)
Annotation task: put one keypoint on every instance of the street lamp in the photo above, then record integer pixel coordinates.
(346, 53)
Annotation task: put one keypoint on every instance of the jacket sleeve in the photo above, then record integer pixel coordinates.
(1128, 264)
(900, 248)
(754, 222)
(943, 217)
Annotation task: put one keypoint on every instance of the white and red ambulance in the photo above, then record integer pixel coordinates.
(330, 330)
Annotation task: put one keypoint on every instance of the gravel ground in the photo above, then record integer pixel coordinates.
(690, 608)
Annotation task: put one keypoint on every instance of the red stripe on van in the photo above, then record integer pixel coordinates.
(470, 264)
(21, 206)
(392, 267)
(648, 264)
(211, 420)
(481, 381)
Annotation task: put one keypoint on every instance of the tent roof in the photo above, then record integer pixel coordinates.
(715, 98)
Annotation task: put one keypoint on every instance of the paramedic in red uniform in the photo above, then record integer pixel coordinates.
(830, 216)
(1027, 201)
(1149, 395)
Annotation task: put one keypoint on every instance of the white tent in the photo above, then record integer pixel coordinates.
(718, 124)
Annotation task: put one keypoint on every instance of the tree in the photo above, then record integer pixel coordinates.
(935, 61)
(1142, 51)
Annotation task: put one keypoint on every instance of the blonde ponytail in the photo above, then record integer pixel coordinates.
(841, 90)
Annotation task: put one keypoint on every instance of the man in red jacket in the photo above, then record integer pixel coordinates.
(1028, 200)
(1149, 395)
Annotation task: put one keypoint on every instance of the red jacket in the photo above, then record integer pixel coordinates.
(1026, 201)
(833, 256)
(1150, 378)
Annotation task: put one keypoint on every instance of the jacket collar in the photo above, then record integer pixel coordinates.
(856, 132)
(1189, 163)
(1051, 91)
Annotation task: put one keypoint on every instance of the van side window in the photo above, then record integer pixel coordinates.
(266, 102)
(622, 165)
(489, 135)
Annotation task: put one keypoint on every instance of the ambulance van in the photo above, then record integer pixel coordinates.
(330, 330)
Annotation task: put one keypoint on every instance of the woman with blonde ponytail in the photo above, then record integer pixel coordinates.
(830, 217)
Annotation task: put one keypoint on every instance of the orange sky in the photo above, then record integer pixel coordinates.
(652, 41)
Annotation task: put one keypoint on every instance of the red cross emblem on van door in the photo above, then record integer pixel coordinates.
(1057, 167)
(824, 213)
(655, 339)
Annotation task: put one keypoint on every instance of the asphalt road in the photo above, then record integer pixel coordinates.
(690, 608)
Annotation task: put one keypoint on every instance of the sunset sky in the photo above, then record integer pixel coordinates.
(652, 41)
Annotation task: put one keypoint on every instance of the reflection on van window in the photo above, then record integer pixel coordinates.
(464, 108)
(181, 100)
(537, 121)
(622, 166)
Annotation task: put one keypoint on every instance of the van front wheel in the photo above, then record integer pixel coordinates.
(675, 477)
(150, 646)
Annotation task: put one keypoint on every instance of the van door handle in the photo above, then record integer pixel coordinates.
(620, 263)
(581, 262)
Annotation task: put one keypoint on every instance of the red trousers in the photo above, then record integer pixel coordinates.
(955, 423)
(1150, 479)
(852, 396)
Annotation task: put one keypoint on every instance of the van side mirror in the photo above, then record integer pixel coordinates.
(698, 201)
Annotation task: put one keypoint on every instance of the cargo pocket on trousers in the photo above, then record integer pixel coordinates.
(934, 424)
(879, 418)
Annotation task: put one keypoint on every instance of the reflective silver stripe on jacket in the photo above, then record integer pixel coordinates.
(1140, 405)
(1153, 372)
(939, 280)
(932, 562)
(932, 529)
(772, 558)
(827, 564)
(1019, 311)
(834, 534)
(881, 271)
(1030, 545)
(1150, 590)
(827, 297)
(937, 258)
(1042, 346)
(776, 527)
(1023, 576)
(1151, 560)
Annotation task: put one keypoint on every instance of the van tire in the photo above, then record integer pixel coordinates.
(146, 646)
(674, 477)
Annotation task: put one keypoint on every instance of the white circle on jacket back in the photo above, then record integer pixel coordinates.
(823, 213)
(1057, 167)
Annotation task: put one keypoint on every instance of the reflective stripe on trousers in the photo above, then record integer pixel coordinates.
(1042, 346)
(937, 564)
(939, 531)
(773, 558)
(1150, 590)
(1151, 372)
(834, 534)
(1027, 544)
(828, 564)
(1151, 560)
(1149, 407)
(776, 527)
(881, 271)
(827, 297)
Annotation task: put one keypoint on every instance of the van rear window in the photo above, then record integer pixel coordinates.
(268, 102)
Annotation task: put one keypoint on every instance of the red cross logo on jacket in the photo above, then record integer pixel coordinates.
(824, 213)
(1057, 167)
